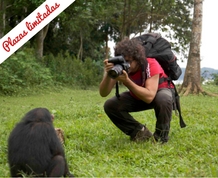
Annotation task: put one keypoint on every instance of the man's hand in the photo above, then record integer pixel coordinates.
(108, 66)
(123, 77)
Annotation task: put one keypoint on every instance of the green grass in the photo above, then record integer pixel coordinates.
(96, 148)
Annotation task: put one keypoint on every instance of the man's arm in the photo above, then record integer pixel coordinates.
(107, 83)
(146, 93)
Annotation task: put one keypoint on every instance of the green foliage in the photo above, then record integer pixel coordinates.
(215, 78)
(22, 70)
(96, 148)
(69, 70)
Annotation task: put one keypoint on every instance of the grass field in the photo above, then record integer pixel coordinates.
(96, 148)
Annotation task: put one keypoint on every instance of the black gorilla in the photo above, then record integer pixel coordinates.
(34, 148)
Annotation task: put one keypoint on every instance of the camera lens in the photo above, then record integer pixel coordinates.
(115, 71)
(112, 74)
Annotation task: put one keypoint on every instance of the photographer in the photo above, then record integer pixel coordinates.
(145, 92)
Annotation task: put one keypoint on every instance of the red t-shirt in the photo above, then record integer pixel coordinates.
(153, 68)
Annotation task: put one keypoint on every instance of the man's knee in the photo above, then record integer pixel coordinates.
(109, 106)
(164, 98)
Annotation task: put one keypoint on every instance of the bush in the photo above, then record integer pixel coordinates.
(69, 70)
(22, 70)
(215, 78)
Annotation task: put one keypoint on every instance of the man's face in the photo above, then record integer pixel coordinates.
(133, 65)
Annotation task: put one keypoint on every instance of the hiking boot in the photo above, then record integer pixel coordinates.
(142, 135)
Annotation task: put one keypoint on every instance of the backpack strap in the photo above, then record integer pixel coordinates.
(149, 40)
(162, 79)
(177, 107)
(177, 102)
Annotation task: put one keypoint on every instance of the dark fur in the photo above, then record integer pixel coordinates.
(34, 148)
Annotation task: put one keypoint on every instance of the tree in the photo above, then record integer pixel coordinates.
(192, 79)
(12, 12)
(2, 17)
(40, 36)
(170, 16)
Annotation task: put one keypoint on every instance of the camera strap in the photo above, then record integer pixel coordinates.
(117, 90)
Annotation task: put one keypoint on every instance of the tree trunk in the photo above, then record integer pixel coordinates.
(2, 17)
(123, 27)
(80, 52)
(107, 49)
(40, 36)
(192, 79)
(151, 18)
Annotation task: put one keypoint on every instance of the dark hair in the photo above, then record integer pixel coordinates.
(37, 115)
(131, 48)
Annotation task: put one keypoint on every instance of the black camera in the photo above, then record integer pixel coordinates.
(120, 64)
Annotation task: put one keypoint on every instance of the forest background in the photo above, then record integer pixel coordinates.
(69, 51)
